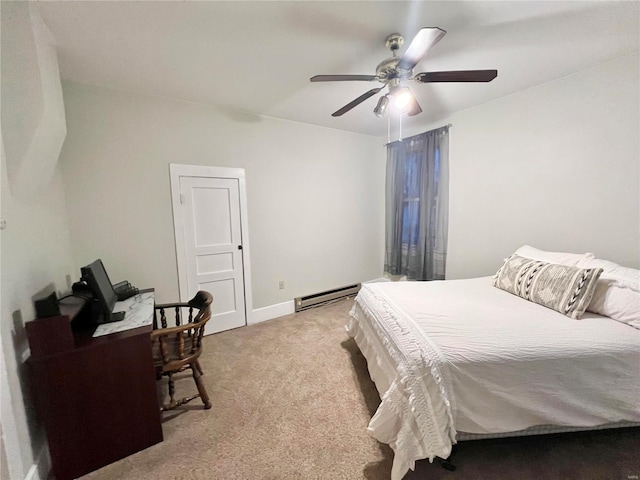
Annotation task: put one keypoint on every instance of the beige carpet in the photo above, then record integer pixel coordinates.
(287, 404)
(292, 399)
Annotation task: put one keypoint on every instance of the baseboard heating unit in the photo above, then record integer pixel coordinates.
(308, 301)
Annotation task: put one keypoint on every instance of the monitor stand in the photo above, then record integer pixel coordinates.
(114, 317)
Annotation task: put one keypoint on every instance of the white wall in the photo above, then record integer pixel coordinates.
(556, 166)
(32, 107)
(315, 195)
(35, 248)
(36, 259)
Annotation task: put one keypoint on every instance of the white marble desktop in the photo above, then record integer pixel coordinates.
(139, 312)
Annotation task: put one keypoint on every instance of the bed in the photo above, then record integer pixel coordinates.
(461, 359)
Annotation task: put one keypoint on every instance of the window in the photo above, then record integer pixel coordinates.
(417, 206)
(411, 215)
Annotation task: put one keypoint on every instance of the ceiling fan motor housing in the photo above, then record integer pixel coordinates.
(388, 68)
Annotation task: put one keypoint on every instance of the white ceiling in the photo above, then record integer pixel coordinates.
(258, 57)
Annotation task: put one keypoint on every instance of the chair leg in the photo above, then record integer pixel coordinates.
(172, 390)
(201, 390)
(199, 367)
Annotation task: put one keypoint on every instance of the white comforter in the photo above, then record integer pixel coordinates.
(462, 355)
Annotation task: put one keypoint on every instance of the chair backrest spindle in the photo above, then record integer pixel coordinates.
(163, 318)
(177, 348)
(178, 323)
(179, 344)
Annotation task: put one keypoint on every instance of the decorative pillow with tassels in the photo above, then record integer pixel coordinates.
(565, 289)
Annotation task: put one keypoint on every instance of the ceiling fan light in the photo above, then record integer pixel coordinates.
(401, 98)
(381, 107)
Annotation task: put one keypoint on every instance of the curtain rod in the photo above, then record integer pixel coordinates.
(390, 142)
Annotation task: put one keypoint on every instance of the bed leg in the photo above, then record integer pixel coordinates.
(447, 463)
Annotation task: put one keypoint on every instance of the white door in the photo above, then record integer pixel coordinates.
(212, 233)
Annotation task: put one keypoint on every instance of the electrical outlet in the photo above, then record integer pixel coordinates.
(281, 284)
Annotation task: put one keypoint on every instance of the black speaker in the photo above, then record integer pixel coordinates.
(48, 306)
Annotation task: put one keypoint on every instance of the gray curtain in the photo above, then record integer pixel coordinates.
(417, 206)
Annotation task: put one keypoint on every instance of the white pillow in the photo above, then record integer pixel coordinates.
(616, 301)
(617, 293)
(624, 275)
(571, 259)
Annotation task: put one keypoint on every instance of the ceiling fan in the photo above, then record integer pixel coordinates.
(395, 71)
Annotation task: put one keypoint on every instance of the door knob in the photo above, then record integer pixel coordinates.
(239, 247)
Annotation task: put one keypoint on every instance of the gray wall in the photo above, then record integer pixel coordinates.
(556, 166)
(315, 196)
(36, 259)
(35, 251)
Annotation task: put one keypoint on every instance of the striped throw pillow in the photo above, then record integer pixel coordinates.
(565, 289)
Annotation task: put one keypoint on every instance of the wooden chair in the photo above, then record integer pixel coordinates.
(176, 348)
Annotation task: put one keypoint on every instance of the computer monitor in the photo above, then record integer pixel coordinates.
(96, 278)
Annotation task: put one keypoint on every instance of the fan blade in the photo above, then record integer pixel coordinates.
(457, 76)
(342, 78)
(357, 101)
(424, 40)
(414, 107)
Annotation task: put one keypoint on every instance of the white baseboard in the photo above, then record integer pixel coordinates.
(33, 473)
(272, 311)
(43, 464)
